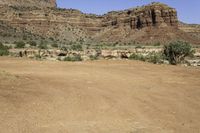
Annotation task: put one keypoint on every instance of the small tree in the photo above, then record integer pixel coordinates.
(176, 51)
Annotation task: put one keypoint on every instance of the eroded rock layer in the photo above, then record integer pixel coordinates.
(192, 29)
(155, 14)
(137, 24)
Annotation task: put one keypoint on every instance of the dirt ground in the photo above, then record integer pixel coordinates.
(98, 97)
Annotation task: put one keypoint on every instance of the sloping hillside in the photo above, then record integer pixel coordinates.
(148, 24)
(192, 29)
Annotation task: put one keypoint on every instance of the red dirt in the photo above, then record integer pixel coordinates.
(98, 97)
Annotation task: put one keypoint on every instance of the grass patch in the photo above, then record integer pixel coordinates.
(73, 58)
(156, 58)
(93, 57)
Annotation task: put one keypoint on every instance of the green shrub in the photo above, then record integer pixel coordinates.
(93, 57)
(24, 37)
(73, 58)
(3, 50)
(64, 48)
(33, 43)
(152, 57)
(77, 47)
(157, 44)
(20, 44)
(37, 56)
(176, 51)
(54, 45)
(42, 45)
(51, 38)
(139, 47)
(135, 56)
(155, 58)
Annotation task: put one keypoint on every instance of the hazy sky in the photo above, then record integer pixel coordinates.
(188, 10)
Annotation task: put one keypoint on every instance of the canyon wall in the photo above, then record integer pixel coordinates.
(73, 25)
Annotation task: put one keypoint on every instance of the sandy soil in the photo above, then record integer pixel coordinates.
(98, 97)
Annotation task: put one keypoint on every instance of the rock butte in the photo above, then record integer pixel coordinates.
(151, 23)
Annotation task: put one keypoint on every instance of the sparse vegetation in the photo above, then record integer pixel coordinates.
(77, 47)
(135, 56)
(155, 58)
(151, 57)
(54, 45)
(64, 48)
(93, 57)
(42, 45)
(20, 44)
(157, 44)
(73, 58)
(3, 50)
(139, 47)
(25, 37)
(38, 57)
(33, 43)
(176, 51)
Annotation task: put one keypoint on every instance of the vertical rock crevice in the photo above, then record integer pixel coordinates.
(139, 23)
(153, 17)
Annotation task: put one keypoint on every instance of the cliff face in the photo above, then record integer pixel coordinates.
(142, 24)
(153, 15)
(29, 3)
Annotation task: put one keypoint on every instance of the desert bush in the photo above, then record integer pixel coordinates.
(77, 47)
(25, 37)
(33, 43)
(73, 58)
(135, 56)
(81, 40)
(155, 58)
(139, 47)
(93, 57)
(37, 56)
(3, 50)
(42, 45)
(51, 38)
(64, 48)
(157, 44)
(19, 44)
(176, 51)
(54, 45)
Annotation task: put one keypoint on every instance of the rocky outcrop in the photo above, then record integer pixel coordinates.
(56, 54)
(29, 3)
(155, 14)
